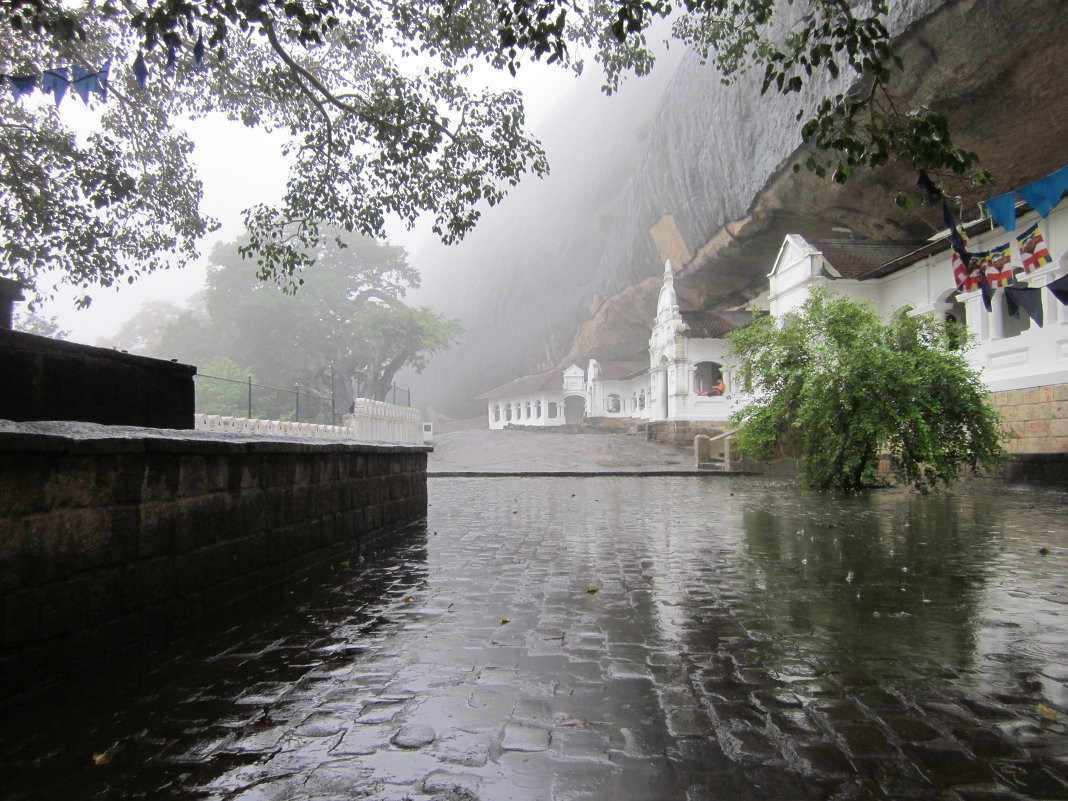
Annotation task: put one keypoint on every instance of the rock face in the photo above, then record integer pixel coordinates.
(684, 167)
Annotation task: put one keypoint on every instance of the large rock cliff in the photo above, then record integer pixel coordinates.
(682, 166)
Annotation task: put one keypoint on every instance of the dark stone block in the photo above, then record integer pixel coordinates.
(47, 379)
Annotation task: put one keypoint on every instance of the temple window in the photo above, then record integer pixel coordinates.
(496, 413)
(708, 379)
(552, 410)
(612, 404)
(537, 409)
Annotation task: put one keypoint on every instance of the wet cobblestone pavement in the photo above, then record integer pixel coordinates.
(613, 638)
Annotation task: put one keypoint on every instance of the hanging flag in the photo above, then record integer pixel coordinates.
(1033, 249)
(102, 81)
(55, 82)
(1030, 300)
(83, 81)
(1059, 288)
(1003, 210)
(996, 265)
(987, 291)
(22, 85)
(198, 51)
(172, 59)
(967, 280)
(954, 235)
(1044, 194)
(931, 193)
(140, 69)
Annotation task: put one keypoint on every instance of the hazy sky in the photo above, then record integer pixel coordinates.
(239, 167)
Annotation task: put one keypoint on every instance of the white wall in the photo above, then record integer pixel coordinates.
(1007, 357)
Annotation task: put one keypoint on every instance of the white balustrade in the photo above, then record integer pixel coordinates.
(370, 421)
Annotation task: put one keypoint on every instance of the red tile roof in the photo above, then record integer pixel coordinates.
(714, 325)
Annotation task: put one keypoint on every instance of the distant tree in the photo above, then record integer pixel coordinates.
(32, 323)
(349, 316)
(387, 337)
(838, 386)
(141, 332)
(222, 388)
(379, 115)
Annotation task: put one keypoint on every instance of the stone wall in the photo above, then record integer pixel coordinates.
(1036, 418)
(48, 379)
(682, 432)
(112, 536)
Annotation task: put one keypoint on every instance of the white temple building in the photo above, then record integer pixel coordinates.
(1020, 345)
(687, 377)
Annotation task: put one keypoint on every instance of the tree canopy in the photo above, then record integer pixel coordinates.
(379, 113)
(350, 316)
(835, 384)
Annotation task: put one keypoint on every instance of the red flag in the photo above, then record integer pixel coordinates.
(967, 280)
(1033, 249)
(998, 271)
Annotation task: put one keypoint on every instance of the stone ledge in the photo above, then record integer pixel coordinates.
(58, 436)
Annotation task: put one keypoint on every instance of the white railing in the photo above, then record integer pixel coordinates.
(372, 421)
(378, 421)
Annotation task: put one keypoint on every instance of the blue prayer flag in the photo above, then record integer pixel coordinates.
(140, 70)
(83, 82)
(55, 82)
(1003, 210)
(22, 85)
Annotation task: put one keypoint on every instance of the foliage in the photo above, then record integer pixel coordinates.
(375, 101)
(32, 323)
(838, 385)
(222, 388)
(371, 129)
(349, 316)
(140, 333)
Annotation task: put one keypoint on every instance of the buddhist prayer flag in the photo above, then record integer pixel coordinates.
(140, 69)
(1059, 288)
(55, 82)
(967, 280)
(959, 245)
(1033, 249)
(1003, 210)
(22, 85)
(996, 265)
(987, 292)
(1046, 193)
(84, 81)
(1030, 300)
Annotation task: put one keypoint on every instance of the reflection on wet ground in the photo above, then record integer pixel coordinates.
(613, 638)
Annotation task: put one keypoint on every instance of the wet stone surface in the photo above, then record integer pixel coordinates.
(611, 638)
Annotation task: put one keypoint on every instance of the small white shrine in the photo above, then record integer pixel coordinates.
(687, 376)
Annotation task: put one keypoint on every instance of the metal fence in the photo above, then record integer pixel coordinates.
(379, 390)
(236, 398)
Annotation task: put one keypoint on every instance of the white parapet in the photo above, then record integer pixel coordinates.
(370, 421)
(378, 421)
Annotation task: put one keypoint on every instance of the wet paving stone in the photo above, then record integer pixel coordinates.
(722, 657)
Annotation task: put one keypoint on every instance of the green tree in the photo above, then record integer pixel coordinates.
(222, 388)
(837, 385)
(387, 337)
(141, 333)
(30, 322)
(375, 100)
(350, 316)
